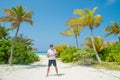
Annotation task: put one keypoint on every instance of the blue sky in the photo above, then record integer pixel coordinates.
(50, 16)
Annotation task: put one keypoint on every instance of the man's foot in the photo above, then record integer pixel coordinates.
(46, 75)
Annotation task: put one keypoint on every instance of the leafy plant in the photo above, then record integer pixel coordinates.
(99, 43)
(84, 56)
(23, 53)
(113, 29)
(111, 53)
(60, 48)
(67, 54)
(16, 15)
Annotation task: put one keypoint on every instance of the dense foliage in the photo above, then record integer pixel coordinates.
(67, 54)
(23, 53)
(5, 46)
(111, 53)
(60, 48)
(87, 56)
(84, 56)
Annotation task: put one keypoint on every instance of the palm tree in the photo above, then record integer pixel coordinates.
(99, 43)
(74, 27)
(113, 29)
(72, 32)
(4, 32)
(16, 15)
(90, 20)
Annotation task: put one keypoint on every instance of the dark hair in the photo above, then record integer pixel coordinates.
(51, 45)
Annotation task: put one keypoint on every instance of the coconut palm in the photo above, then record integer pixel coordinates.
(72, 32)
(16, 15)
(113, 29)
(74, 28)
(90, 20)
(99, 43)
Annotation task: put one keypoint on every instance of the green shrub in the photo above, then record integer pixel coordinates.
(67, 54)
(25, 58)
(111, 53)
(60, 48)
(5, 46)
(84, 57)
(23, 52)
(23, 55)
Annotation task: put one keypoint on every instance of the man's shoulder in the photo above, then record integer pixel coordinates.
(49, 50)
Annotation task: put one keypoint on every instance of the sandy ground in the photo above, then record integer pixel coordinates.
(37, 71)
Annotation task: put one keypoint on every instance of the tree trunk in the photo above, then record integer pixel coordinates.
(119, 36)
(93, 44)
(76, 41)
(13, 44)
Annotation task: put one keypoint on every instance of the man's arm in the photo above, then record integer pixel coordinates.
(48, 55)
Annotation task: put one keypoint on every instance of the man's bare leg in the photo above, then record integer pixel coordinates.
(48, 70)
(56, 69)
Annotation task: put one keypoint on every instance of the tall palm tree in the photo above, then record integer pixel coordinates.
(90, 20)
(16, 15)
(113, 29)
(74, 28)
(99, 43)
(72, 32)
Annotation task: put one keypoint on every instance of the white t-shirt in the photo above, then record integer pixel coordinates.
(51, 52)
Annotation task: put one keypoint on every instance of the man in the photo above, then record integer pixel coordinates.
(52, 59)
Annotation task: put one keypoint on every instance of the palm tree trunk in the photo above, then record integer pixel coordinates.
(13, 44)
(76, 38)
(93, 44)
(119, 36)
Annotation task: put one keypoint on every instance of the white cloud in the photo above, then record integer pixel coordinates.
(109, 2)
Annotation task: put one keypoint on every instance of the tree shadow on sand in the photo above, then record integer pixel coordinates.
(36, 66)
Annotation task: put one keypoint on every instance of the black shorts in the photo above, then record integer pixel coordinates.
(50, 62)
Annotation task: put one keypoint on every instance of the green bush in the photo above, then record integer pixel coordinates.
(23, 55)
(60, 48)
(5, 46)
(25, 58)
(67, 54)
(84, 57)
(111, 53)
(23, 51)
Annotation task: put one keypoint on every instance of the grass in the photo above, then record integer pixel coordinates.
(108, 65)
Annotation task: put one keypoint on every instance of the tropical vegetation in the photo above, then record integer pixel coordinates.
(19, 49)
(23, 51)
(87, 19)
(99, 43)
(97, 48)
(16, 15)
(73, 30)
(113, 29)
(21, 46)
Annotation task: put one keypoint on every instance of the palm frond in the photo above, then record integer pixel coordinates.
(7, 19)
(28, 21)
(94, 9)
(97, 19)
(79, 12)
(9, 12)
(67, 33)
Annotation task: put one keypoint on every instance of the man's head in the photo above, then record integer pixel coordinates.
(51, 46)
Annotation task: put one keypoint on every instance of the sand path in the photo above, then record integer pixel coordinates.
(37, 71)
